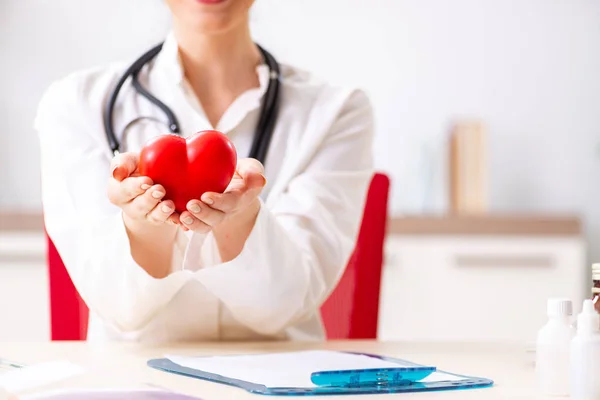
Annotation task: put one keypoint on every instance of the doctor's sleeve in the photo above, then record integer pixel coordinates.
(302, 241)
(86, 229)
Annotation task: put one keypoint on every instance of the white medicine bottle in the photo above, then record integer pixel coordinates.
(585, 355)
(552, 349)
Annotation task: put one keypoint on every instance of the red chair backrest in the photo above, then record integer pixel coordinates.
(352, 309)
(350, 312)
(68, 312)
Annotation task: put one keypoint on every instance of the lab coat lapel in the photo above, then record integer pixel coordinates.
(306, 145)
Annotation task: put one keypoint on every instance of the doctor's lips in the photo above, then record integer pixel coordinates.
(210, 1)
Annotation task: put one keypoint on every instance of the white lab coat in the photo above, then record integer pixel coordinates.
(318, 169)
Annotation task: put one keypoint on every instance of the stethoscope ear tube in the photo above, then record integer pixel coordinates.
(266, 123)
(173, 124)
(110, 105)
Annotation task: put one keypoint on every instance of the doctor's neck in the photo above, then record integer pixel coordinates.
(223, 55)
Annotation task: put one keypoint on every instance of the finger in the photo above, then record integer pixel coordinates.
(123, 165)
(246, 165)
(252, 169)
(193, 224)
(224, 202)
(162, 212)
(254, 180)
(134, 187)
(127, 190)
(208, 215)
(174, 218)
(237, 191)
(143, 204)
(253, 173)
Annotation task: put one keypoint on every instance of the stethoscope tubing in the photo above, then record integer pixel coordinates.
(265, 125)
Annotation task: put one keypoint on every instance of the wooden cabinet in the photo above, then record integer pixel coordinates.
(478, 284)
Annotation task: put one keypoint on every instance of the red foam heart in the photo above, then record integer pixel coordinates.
(189, 167)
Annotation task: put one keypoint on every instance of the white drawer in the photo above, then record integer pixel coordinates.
(24, 302)
(479, 289)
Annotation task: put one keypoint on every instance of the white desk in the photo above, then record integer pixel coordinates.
(124, 365)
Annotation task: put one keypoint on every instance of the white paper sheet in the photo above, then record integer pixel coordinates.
(36, 375)
(441, 377)
(281, 369)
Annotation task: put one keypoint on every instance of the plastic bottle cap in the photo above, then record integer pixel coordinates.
(588, 321)
(560, 308)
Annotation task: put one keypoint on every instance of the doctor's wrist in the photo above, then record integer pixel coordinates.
(247, 216)
(151, 245)
(137, 226)
(231, 235)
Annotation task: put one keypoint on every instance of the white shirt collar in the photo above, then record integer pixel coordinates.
(168, 63)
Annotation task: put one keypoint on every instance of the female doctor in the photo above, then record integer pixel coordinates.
(254, 262)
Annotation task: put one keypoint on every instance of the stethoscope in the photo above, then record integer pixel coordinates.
(266, 121)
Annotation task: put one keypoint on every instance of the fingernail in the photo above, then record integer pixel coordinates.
(195, 208)
(118, 173)
(209, 201)
(264, 179)
(157, 194)
(188, 220)
(145, 186)
(165, 208)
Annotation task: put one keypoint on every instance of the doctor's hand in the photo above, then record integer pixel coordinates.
(236, 208)
(4, 395)
(136, 195)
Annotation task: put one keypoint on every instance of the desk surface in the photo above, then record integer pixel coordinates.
(124, 365)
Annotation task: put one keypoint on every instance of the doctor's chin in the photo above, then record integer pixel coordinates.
(204, 199)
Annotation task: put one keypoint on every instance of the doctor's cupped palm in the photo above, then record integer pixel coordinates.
(213, 208)
(137, 195)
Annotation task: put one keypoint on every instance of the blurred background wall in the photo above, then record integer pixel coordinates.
(528, 69)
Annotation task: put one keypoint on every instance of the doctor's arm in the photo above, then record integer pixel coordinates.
(149, 219)
(86, 228)
(301, 241)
